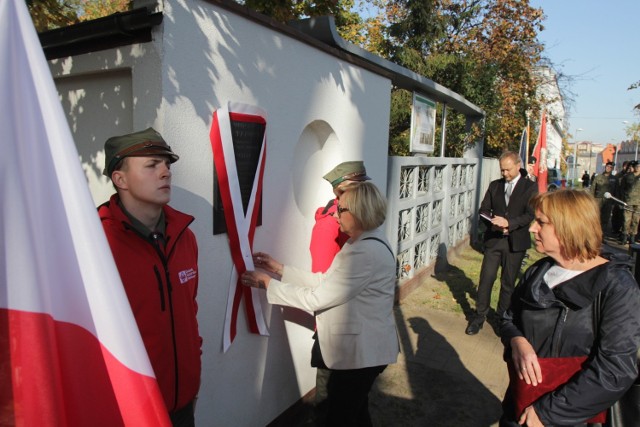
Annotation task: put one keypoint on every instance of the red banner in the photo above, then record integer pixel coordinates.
(540, 153)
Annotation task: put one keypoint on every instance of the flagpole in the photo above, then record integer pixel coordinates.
(526, 159)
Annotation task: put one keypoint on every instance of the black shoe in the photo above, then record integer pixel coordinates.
(474, 327)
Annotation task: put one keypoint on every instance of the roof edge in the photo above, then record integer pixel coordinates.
(119, 29)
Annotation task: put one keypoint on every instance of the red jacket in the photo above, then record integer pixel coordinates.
(326, 238)
(161, 284)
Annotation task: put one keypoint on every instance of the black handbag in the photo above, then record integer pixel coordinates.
(626, 411)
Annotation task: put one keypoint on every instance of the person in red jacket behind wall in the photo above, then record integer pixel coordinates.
(326, 242)
(157, 258)
(326, 237)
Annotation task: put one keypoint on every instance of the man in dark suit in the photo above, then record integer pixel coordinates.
(506, 211)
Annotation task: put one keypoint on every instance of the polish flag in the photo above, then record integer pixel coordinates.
(70, 351)
(540, 153)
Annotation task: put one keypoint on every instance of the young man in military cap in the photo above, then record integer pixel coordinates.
(326, 242)
(157, 258)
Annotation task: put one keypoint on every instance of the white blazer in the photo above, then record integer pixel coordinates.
(353, 302)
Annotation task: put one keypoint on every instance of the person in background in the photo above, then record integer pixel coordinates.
(632, 210)
(575, 313)
(326, 237)
(326, 242)
(617, 216)
(530, 175)
(157, 258)
(604, 183)
(353, 302)
(506, 210)
(585, 179)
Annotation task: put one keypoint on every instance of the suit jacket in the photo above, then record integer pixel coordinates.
(518, 213)
(353, 302)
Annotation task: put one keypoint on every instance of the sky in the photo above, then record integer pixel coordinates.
(597, 44)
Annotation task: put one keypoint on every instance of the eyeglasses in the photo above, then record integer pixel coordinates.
(341, 209)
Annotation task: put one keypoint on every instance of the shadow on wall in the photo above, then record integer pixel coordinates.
(220, 368)
(232, 52)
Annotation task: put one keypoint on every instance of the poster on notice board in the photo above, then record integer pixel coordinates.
(423, 125)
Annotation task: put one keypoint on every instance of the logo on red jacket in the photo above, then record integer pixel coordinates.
(186, 275)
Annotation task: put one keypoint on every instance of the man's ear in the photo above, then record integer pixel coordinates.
(119, 179)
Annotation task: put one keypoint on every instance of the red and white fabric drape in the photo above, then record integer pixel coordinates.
(241, 225)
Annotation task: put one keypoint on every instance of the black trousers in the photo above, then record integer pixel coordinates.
(183, 417)
(496, 255)
(617, 219)
(348, 396)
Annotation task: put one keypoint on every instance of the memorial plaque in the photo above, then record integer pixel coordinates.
(247, 142)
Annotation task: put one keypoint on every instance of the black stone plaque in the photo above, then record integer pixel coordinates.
(247, 142)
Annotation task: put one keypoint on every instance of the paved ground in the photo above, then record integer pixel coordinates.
(443, 377)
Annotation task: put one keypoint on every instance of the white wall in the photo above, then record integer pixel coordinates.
(321, 111)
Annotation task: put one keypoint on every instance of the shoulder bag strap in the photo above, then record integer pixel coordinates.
(381, 241)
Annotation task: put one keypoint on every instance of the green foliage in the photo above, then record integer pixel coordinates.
(287, 10)
(484, 50)
(635, 85)
(51, 14)
(400, 122)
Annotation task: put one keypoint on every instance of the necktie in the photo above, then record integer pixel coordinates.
(507, 192)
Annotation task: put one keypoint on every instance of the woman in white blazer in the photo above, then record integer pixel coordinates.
(353, 303)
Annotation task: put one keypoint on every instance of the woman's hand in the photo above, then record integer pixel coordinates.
(255, 279)
(530, 418)
(264, 261)
(525, 361)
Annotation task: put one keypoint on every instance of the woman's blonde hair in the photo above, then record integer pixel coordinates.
(365, 203)
(575, 216)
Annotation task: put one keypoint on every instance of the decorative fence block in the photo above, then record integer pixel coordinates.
(431, 203)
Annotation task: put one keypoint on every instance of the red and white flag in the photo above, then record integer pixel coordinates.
(70, 350)
(540, 153)
(241, 222)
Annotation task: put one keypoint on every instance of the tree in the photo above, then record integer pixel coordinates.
(284, 11)
(51, 14)
(635, 85)
(633, 131)
(483, 49)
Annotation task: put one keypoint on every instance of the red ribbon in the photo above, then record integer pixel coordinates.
(235, 217)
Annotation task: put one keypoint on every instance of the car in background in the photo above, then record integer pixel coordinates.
(555, 180)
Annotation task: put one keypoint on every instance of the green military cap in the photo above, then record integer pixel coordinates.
(137, 144)
(347, 171)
